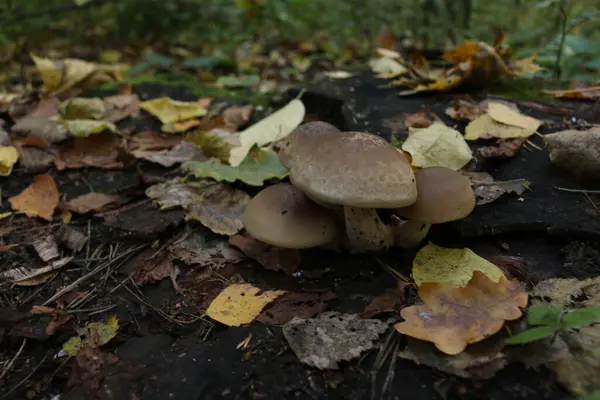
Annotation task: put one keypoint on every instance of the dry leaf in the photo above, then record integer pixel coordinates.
(101, 151)
(386, 67)
(452, 317)
(294, 304)
(71, 238)
(240, 304)
(273, 258)
(39, 199)
(32, 159)
(577, 152)
(502, 148)
(205, 249)
(215, 143)
(332, 337)
(236, 117)
(22, 274)
(464, 110)
(392, 300)
(153, 269)
(419, 119)
(43, 128)
(501, 113)
(8, 157)
(562, 292)
(181, 153)
(152, 141)
(82, 108)
(46, 247)
(437, 146)
(120, 107)
(96, 202)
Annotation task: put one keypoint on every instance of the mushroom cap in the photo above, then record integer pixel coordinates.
(302, 139)
(444, 195)
(354, 169)
(283, 216)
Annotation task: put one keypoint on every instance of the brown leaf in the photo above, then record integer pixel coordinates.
(57, 318)
(90, 368)
(152, 141)
(419, 119)
(120, 107)
(502, 148)
(513, 267)
(150, 270)
(101, 150)
(41, 128)
(294, 304)
(392, 300)
(273, 258)
(33, 159)
(184, 151)
(34, 106)
(39, 199)
(464, 110)
(96, 202)
(236, 117)
(452, 317)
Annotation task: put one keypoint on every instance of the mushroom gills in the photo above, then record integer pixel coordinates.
(365, 231)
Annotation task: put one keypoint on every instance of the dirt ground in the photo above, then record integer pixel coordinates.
(163, 352)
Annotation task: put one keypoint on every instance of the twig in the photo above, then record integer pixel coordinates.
(535, 146)
(577, 190)
(24, 379)
(11, 363)
(563, 36)
(593, 203)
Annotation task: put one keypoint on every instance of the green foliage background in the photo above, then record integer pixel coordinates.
(206, 26)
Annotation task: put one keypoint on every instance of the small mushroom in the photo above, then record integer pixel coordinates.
(358, 171)
(282, 216)
(444, 195)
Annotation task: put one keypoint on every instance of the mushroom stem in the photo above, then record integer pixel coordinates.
(409, 233)
(365, 230)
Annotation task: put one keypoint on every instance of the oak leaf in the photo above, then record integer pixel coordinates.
(452, 318)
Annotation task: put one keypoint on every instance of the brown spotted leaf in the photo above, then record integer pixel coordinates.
(452, 317)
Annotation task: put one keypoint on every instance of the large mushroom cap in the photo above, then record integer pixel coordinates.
(283, 216)
(302, 139)
(354, 169)
(444, 195)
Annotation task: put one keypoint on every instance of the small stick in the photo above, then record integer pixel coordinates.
(10, 364)
(577, 190)
(535, 146)
(24, 379)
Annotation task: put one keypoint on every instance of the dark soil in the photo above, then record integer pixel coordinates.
(163, 353)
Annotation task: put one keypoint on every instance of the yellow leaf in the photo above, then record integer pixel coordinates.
(87, 127)
(8, 157)
(387, 53)
(240, 304)
(169, 111)
(485, 127)
(525, 66)
(387, 68)
(506, 115)
(450, 266)
(274, 127)
(437, 146)
(182, 126)
(95, 334)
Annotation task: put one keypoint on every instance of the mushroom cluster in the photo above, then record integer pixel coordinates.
(339, 180)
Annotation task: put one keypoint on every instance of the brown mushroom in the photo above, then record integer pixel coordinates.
(358, 171)
(282, 216)
(444, 195)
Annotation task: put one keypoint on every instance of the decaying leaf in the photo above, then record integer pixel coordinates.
(214, 143)
(121, 106)
(392, 300)
(453, 317)
(174, 193)
(22, 274)
(45, 129)
(151, 141)
(417, 120)
(437, 145)
(150, 268)
(169, 111)
(33, 160)
(102, 151)
(92, 202)
(258, 166)
(8, 157)
(181, 153)
(274, 127)
(502, 148)
(71, 238)
(236, 117)
(45, 246)
(577, 152)
(273, 258)
(220, 209)
(566, 292)
(464, 110)
(39, 199)
(240, 304)
(205, 249)
(454, 267)
(487, 190)
(93, 335)
(332, 337)
(57, 318)
(294, 304)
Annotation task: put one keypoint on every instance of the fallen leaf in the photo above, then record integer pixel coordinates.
(487, 190)
(174, 193)
(501, 122)
(294, 304)
(386, 67)
(258, 166)
(453, 317)
(182, 126)
(419, 119)
(101, 151)
(150, 269)
(220, 209)
(215, 143)
(43, 128)
(4, 137)
(562, 292)
(121, 106)
(183, 152)
(240, 304)
(82, 108)
(93, 201)
(462, 52)
(464, 110)
(205, 249)
(34, 160)
(152, 141)
(274, 127)
(392, 300)
(577, 90)
(236, 117)
(454, 267)
(34, 105)
(87, 127)
(525, 66)
(332, 337)
(39, 199)
(20, 275)
(437, 146)
(338, 74)
(501, 113)
(169, 111)
(93, 335)
(270, 257)
(577, 152)
(502, 148)
(45, 246)
(71, 238)
(8, 157)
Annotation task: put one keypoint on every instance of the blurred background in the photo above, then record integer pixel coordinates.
(243, 35)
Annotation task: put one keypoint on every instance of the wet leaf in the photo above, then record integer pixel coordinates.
(205, 249)
(240, 304)
(258, 166)
(437, 145)
(169, 111)
(39, 199)
(92, 202)
(577, 152)
(453, 317)
(454, 267)
(270, 257)
(274, 127)
(93, 335)
(332, 337)
(294, 304)
(220, 209)
(8, 157)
